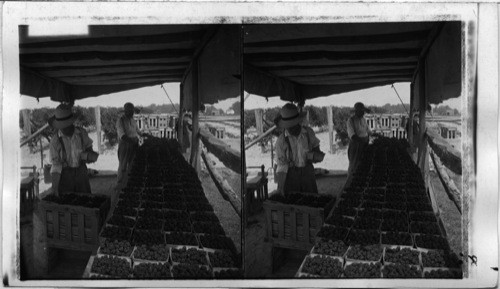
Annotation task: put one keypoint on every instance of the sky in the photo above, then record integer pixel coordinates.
(373, 96)
(155, 94)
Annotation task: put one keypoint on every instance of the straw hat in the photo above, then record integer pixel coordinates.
(290, 116)
(63, 117)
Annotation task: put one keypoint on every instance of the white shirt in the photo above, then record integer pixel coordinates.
(357, 126)
(73, 145)
(300, 145)
(127, 126)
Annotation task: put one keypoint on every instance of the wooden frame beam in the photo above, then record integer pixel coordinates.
(344, 40)
(228, 156)
(332, 55)
(194, 158)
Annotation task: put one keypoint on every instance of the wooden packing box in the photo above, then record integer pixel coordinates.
(294, 226)
(73, 227)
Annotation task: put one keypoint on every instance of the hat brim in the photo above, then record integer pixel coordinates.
(292, 122)
(62, 124)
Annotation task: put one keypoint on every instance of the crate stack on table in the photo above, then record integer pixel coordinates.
(383, 226)
(73, 221)
(294, 220)
(163, 225)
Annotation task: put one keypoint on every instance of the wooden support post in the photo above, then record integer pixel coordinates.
(26, 122)
(98, 127)
(180, 121)
(258, 121)
(194, 159)
(422, 106)
(329, 115)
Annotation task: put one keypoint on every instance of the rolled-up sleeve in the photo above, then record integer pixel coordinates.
(55, 157)
(120, 130)
(282, 160)
(350, 127)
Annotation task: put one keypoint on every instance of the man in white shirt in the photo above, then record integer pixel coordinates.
(358, 132)
(70, 149)
(296, 150)
(128, 134)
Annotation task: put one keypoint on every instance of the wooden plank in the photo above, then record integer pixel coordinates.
(450, 156)
(43, 59)
(98, 127)
(332, 55)
(222, 185)
(281, 224)
(228, 156)
(268, 132)
(422, 107)
(180, 121)
(69, 232)
(122, 75)
(290, 70)
(59, 71)
(293, 224)
(354, 74)
(117, 43)
(385, 38)
(448, 184)
(367, 80)
(55, 215)
(35, 134)
(81, 227)
(306, 217)
(159, 79)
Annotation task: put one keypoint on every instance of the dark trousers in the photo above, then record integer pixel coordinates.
(126, 153)
(301, 180)
(354, 153)
(75, 180)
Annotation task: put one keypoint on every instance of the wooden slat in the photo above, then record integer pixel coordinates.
(56, 71)
(137, 80)
(306, 216)
(345, 40)
(281, 224)
(69, 232)
(81, 227)
(226, 191)
(228, 156)
(117, 76)
(188, 38)
(338, 55)
(55, 215)
(293, 223)
(450, 156)
(113, 58)
(328, 69)
(353, 81)
(350, 75)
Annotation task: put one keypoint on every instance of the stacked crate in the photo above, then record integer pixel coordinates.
(165, 224)
(73, 221)
(293, 221)
(385, 222)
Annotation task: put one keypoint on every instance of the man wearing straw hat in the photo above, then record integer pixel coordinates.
(70, 149)
(297, 148)
(358, 132)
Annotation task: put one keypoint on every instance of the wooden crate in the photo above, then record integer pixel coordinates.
(73, 227)
(293, 226)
